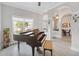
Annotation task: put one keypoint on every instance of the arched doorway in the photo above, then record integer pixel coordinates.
(63, 14)
(66, 27)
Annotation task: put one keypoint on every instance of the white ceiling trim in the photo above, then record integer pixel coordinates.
(53, 7)
(32, 6)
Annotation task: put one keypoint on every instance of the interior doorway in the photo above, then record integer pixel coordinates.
(66, 27)
(62, 18)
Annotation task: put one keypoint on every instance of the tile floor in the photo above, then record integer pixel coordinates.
(61, 48)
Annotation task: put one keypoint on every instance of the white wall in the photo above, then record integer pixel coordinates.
(0, 28)
(75, 26)
(60, 11)
(46, 26)
(8, 12)
(75, 35)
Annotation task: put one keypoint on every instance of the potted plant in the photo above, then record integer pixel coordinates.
(6, 39)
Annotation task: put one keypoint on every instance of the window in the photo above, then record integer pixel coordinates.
(21, 24)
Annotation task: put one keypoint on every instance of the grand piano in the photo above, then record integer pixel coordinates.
(31, 38)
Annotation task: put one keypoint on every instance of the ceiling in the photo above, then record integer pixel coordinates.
(33, 6)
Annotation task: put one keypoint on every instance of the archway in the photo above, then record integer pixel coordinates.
(66, 27)
(61, 13)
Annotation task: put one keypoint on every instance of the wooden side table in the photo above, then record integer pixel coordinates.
(48, 46)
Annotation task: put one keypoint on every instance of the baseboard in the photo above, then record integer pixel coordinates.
(77, 50)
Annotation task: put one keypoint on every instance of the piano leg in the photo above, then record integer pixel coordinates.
(37, 48)
(33, 50)
(18, 46)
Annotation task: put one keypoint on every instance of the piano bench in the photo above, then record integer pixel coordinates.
(47, 45)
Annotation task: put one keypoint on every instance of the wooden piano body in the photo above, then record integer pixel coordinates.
(32, 39)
